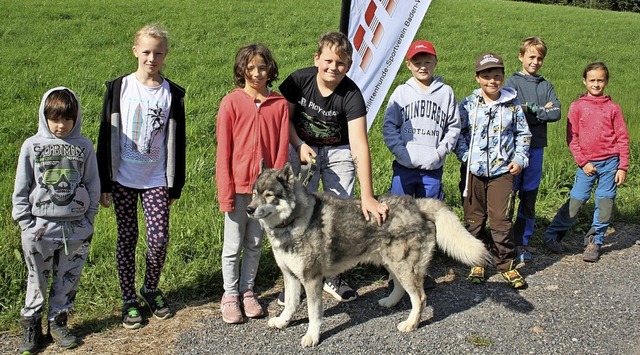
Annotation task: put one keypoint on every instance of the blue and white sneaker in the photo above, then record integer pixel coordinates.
(523, 254)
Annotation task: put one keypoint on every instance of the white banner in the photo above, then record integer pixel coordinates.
(381, 32)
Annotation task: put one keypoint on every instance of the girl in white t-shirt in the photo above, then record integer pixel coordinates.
(141, 155)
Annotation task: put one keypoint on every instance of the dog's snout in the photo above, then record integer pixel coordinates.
(250, 210)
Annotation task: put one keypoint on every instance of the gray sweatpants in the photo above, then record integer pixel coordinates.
(241, 234)
(56, 249)
(336, 169)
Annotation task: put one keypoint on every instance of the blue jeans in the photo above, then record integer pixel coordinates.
(581, 192)
(416, 182)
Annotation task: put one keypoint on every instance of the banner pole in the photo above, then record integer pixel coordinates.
(344, 16)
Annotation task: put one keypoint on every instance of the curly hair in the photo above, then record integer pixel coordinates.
(243, 57)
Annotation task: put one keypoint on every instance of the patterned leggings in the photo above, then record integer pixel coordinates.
(155, 204)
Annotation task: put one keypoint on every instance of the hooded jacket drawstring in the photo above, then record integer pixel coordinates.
(66, 230)
(465, 193)
(500, 155)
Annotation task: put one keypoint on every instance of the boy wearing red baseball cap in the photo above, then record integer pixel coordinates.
(421, 126)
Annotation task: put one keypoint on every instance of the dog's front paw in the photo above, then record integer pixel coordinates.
(309, 340)
(407, 326)
(386, 302)
(278, 322)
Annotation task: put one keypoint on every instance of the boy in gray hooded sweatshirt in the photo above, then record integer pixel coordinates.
(421, 126)
(55, 200)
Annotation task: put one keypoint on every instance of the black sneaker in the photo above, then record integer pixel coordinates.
(553, 246)
(339, 289)
(429, 282)
(281, 297)
(60, 333)
(131, 316)
(32, 334)
(156, 303)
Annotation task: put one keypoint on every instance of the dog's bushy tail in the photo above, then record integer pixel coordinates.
(451, 236)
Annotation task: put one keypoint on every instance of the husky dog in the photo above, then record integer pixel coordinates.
(317, 234)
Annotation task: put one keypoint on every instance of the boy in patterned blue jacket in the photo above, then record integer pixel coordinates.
(493, 146)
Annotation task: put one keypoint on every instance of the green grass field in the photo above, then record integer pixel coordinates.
(82, 44)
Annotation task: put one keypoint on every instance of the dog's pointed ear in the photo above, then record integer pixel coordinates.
(287, 173)
(261, 166)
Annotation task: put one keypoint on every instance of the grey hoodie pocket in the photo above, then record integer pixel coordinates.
(24, 225)
(424, 156)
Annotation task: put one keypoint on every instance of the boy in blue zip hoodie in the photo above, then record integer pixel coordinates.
(55, 200)
(493, 146)
(421, 126)
(541, 106)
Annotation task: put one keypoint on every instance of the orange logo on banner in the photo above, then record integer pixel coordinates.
(375, 27)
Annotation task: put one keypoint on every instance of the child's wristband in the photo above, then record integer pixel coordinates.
(299, 145)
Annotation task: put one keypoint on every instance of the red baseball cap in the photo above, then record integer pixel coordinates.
(420, 46)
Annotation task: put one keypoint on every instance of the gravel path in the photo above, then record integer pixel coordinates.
(570, 307)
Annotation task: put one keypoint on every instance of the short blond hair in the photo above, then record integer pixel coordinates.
(154, 31)
(536, 42)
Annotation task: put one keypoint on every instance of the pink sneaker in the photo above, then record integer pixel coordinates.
(252, 307)
(230, 307)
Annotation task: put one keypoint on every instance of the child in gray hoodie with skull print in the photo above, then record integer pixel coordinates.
(55, 200)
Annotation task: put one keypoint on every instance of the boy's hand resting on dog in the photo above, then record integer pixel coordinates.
(379, 210)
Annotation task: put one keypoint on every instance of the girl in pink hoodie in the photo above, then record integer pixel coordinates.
(599, 142)
(252, 127)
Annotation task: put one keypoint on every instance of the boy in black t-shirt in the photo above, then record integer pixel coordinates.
(328, 122)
